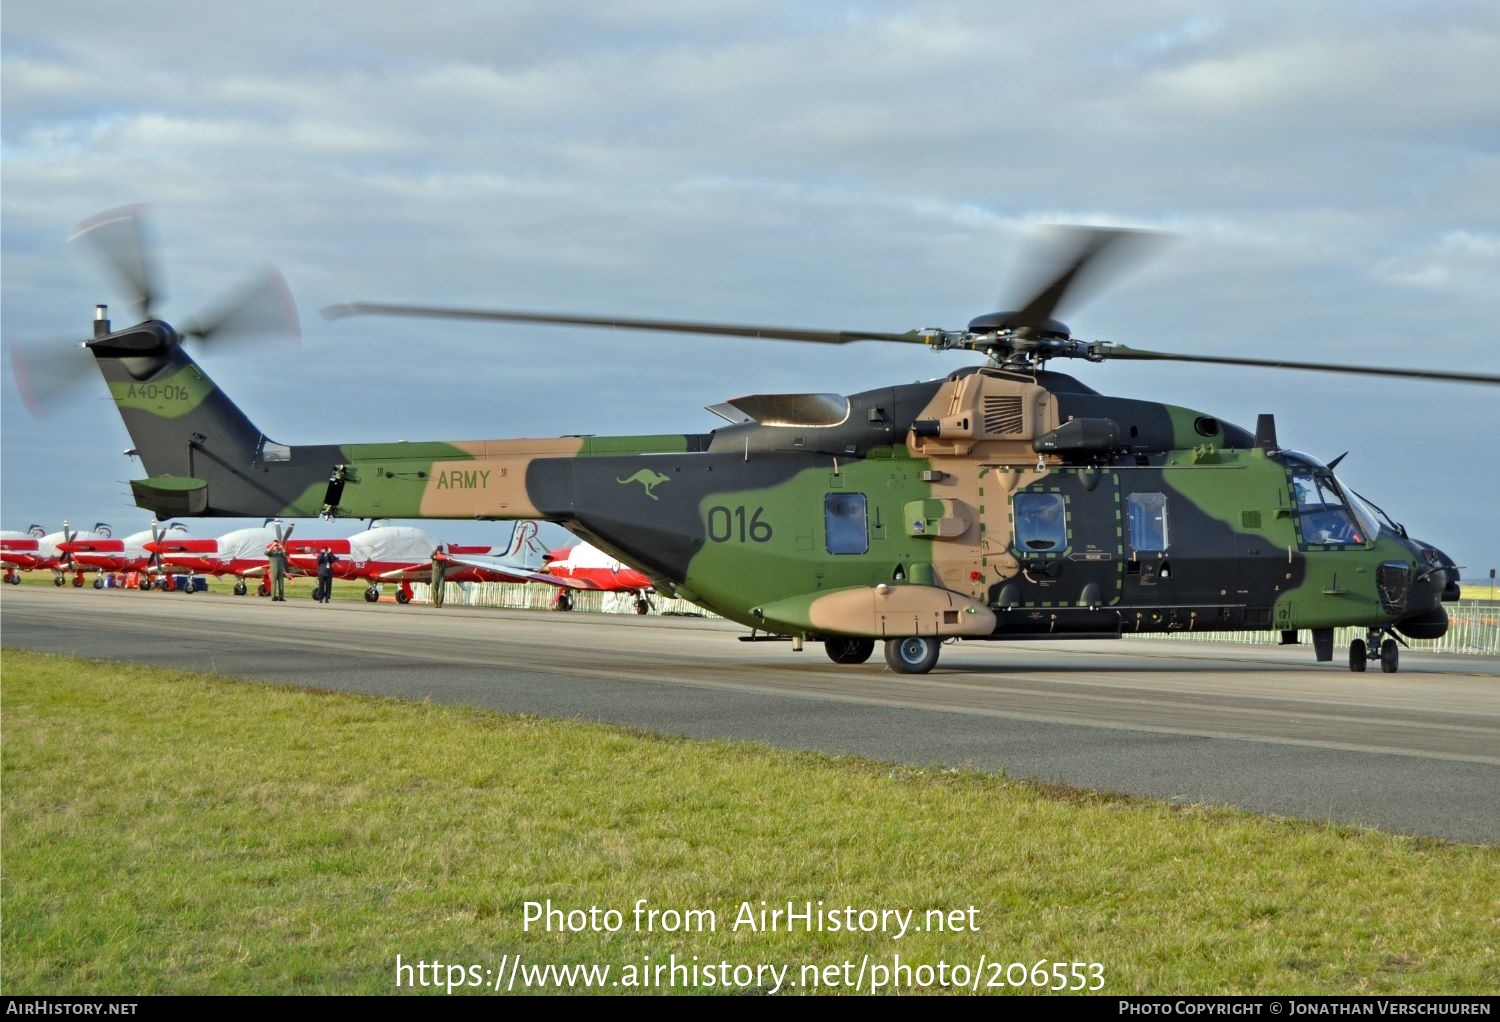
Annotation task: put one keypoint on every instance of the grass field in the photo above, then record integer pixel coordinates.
(166, 832)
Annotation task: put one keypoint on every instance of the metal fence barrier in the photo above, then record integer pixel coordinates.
(1473, 627)
(522, 596)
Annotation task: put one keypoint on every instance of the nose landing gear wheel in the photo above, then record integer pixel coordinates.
(913, 655)
(1390, 656)
(849, 651)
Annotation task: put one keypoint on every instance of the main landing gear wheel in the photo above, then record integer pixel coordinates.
(77, 582)
(642, 606)
(144, 585)
(59, 581)
(1390, 656)
(240, 589)
(372, 595)
(401, 597)
(564, 601)
(849, 651)
(1357, 656)
(914, 655)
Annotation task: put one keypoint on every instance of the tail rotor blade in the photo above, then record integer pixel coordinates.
(119, 236)
(46, 373)
(262, 307)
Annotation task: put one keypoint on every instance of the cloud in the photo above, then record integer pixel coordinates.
(1329, 173)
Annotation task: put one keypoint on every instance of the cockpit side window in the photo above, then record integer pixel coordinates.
(1322, 514)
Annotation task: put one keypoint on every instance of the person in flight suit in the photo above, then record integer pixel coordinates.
(276, 555)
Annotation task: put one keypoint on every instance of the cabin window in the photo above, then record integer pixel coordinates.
(1148, 521)
(844, 516)
(1041, 522)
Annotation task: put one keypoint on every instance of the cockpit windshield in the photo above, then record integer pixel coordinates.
(1326, 517)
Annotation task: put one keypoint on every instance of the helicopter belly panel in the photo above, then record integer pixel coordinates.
(884, 611)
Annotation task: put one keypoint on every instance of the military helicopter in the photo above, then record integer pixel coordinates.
(1006, 501)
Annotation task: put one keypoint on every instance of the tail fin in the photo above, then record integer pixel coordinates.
(526, 546)
(202, 455)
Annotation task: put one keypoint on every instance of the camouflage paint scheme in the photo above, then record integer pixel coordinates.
(738, 520)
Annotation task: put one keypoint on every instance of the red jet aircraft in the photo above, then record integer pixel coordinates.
(401, 554)
(121, 555)
(585, 566)
(241, 553)
(31, 551)
(18, 550)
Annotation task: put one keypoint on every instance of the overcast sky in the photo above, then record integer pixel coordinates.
(1331, 173)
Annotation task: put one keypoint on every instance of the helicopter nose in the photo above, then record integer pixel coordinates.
(1442, 569)
(1434, 583)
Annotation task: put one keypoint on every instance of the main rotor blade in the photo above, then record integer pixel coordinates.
(1080, 258)
(263, 306)
(1140, 354)
(119, 236)
(661, 325)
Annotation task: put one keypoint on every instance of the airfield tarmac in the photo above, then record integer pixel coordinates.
(1264, 728)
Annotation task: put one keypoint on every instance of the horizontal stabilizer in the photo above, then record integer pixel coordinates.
(169, 496)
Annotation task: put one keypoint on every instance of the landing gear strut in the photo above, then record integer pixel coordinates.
(1362, 650)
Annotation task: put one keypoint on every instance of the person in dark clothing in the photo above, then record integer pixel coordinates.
(326, 560)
